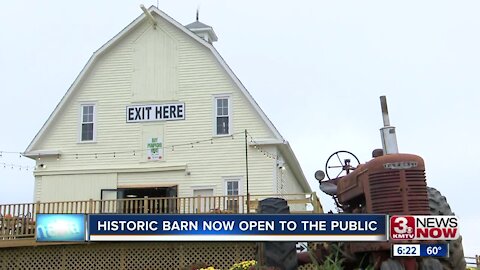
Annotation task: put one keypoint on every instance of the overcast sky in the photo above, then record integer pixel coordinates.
(317, 69)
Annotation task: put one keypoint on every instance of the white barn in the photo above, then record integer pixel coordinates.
(156, 112)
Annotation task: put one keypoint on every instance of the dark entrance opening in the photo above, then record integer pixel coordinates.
(151, 200)
(144, 192)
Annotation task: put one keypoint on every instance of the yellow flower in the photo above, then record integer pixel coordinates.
(243, 265)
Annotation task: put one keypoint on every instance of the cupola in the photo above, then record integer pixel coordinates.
(202, 30)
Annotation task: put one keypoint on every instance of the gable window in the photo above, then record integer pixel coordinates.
(87, 133)
(222, 116)
(232, 190)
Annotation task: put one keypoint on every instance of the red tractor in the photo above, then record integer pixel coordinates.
(391, 183)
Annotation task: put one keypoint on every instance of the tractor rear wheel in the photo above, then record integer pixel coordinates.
(439, 206)
(281, 255)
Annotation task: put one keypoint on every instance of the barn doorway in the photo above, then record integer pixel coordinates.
(202, 203)
(151, 200)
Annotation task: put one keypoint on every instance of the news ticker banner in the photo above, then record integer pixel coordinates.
(238, 227)
(241, 227)
(211, 227)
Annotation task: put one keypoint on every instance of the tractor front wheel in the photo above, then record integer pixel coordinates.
(281, 255)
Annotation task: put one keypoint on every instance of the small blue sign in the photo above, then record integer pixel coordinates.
(60, 227)
(434, 250)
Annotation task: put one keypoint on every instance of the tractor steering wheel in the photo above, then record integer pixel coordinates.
(340, 164)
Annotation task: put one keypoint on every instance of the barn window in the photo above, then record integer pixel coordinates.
(87, 120)
(222, 116)
(232, 190)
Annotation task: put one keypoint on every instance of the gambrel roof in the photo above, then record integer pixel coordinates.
(31, 150)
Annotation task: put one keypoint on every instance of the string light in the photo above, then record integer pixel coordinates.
(114, 154)
(9, 152)
(260, 149)
(13, 166)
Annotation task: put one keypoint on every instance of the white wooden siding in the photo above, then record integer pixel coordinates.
(154, 76)
(75, 187)
(113, 84)
(150, 179)
(37, 188)
(286, 182)
(291, 184)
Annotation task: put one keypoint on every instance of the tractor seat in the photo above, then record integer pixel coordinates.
(328, 188)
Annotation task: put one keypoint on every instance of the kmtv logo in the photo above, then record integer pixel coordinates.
(424, 228)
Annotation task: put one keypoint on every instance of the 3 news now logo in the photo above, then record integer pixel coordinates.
(424, 228)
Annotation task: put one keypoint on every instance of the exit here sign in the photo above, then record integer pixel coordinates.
(155, 112)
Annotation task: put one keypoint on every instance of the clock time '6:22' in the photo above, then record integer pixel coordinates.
(399, 250)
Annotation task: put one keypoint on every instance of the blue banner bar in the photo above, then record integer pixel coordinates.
(228, 227)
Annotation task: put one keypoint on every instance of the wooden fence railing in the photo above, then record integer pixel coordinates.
(473, 261)
(18, 220)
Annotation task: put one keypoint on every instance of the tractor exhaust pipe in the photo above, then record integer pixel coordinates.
(389, 137)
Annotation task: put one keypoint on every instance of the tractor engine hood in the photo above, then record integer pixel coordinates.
(355, 184)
